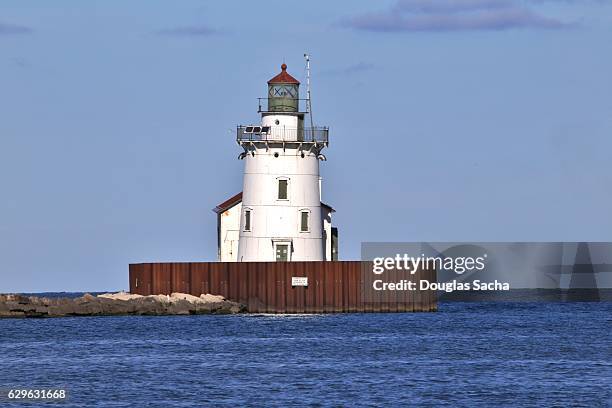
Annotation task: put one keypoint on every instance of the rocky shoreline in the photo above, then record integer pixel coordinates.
(116, 304)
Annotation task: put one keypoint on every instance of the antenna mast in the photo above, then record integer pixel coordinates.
(309, 100)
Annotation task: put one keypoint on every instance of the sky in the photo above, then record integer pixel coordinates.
(467, 120)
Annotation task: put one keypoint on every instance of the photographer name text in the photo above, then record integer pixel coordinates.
(451, 286)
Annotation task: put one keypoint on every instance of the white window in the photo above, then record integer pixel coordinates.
(283, 189)
(304, 218)
(247, 220)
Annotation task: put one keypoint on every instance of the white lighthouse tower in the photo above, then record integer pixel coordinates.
(281, 217)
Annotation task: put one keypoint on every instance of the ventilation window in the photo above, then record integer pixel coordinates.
(304, 221)
(282, 189)
(247, 220)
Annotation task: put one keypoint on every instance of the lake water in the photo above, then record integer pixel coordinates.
(466, 354)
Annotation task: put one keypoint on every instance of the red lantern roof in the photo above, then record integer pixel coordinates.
(284, 77)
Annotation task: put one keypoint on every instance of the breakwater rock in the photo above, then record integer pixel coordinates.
(112, 304)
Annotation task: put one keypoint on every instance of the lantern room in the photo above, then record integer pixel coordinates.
(283, 92)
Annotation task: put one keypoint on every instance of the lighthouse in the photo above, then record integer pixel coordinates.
(279, 215)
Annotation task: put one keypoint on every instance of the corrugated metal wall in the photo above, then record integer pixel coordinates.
(265, 287)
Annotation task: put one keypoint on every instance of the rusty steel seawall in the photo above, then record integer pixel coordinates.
(265, 287)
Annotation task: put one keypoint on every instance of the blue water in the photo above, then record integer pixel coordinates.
(467, 354)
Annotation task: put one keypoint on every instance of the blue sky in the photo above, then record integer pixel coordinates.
(473, 120)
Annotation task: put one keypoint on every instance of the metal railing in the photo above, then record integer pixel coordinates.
(318, 134)
(282, 105)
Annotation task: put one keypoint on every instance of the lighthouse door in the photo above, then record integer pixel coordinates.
(282, 252)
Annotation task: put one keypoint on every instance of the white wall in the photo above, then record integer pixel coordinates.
(230, 231)
(279, 219)
(327, 226)
(284, 121)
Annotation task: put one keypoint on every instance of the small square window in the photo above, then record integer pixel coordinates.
(282, 189)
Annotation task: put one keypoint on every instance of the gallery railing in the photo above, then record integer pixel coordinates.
(317, 134)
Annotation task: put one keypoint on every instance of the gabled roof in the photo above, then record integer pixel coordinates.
(237, 199)
(229, 203)
(283, 77)
(327, 206)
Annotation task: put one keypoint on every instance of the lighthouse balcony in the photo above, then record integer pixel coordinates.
(281, 134)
